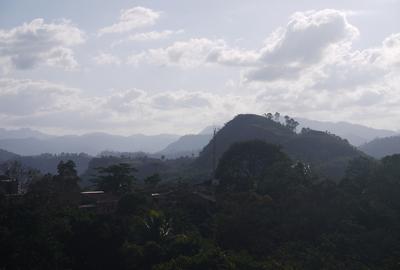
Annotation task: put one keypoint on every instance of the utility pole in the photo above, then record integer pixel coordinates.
(214, 146)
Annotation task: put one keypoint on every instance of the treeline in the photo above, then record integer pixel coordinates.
(265, 211)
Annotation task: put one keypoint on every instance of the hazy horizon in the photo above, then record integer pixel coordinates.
(198, 131)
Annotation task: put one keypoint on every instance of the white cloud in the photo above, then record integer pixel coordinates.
(308, 39)
(195, 52)
(153, 35)
(106, 59)
(391, 50)
(42, 104)
(306, 68)
(29, 97)
(37, 42)
(131, 19)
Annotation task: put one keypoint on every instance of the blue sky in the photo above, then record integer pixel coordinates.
(176, 66)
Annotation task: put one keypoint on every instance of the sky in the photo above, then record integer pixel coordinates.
(177, 66)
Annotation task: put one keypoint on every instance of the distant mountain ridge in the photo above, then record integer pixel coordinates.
(382, 147)
(22, 133)
(26, 141)
(327, 153)
(92, 143)
(356, 134)
(187, 145)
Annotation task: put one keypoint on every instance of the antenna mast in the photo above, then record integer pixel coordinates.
(214, 145)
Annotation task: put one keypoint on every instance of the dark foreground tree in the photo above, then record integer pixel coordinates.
(245, 165)
(117, 179)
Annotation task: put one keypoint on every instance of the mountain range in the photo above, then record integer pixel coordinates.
(27, 141)
(356, 134)
(92, 143)
(381, 147)
(327, 153)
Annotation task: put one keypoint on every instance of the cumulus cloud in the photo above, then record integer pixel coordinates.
(307, 68)
(131, 19)
(308, 39)
(195, 52)
(153, 35)
(37, 42)
(28, 97)
(147, 36)
(106, 59)
(391, 50)
(43, 104)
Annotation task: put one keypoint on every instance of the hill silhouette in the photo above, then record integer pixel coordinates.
(327, 153)
(381, 147)
(6, 155)
(356, 134)
(186, 145)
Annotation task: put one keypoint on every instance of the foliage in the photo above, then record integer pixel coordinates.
(153, 180)
(117, 179)
(326, 153)
(246, 165)
(269, 212)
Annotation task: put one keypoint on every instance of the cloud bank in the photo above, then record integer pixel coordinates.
(39, 43)
(131, 19)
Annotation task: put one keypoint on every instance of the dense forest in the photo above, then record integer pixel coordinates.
(270, 203)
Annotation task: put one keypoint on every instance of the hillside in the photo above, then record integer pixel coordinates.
(356, 134)
(242, 128)
(381, 147)
(186, 145)
(327, 153)
(47, 163)
(6, 155)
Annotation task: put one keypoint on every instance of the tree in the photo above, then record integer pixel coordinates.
(358, 173)
(277, 117)
(15, 170)
(117, 179)
(244, 165)
(291, 123)
(269, 116)
(152, 180)
(157, 226)
(67, 169)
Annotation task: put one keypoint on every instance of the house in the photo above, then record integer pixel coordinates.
(98, 201)
(8, 185)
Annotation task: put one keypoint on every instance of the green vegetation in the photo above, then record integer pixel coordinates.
(116, 179)
(265, 209)
(327, 153)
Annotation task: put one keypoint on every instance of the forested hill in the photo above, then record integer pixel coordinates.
(381, 147)
(356, 134)
(46, 163)
(327, 153)
(6, 155)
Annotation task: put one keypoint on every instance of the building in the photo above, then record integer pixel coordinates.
(98, 201)
(8, 185)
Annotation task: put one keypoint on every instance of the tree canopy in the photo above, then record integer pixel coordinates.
(117, 178)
